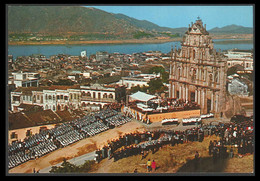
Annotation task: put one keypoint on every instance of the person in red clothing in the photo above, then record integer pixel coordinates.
(153, 166)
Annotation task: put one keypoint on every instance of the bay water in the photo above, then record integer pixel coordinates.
(48, 50)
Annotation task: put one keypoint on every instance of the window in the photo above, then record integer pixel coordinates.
(49, 97)
(28, 132)
(43, 128)
(38, 97)
(66, 97)
(194, 54)
(58, 97)
(13, 135)
(53, 108)
(105, 96)
(111, 96)
(61, 96)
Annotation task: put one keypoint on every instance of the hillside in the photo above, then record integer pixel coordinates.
(76, 23)
(232, 29)
(147, 25)
(60, 19)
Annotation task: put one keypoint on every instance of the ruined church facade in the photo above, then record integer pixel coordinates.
(198, 71)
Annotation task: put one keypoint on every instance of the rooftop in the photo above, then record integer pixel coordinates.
(141, 96)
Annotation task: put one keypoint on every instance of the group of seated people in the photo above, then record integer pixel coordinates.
(63, 135)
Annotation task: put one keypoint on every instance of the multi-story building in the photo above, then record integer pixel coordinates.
(49, 99)
(26, 79)
(59, 98)
(198, 71)
(137, 80)
(236, 86)
(101, 56)
(240, 57)
(98, 95)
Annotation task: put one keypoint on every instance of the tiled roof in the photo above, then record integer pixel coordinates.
(65, 115)
(30, 107)
(18, 120)
(43, 117)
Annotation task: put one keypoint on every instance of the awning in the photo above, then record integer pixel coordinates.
(141, 96)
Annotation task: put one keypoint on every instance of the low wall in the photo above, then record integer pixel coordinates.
(179, 115)
(158, 117)
(21, 133)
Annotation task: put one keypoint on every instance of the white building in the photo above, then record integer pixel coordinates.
(26, 79)
(137, 80)
(240, 57)
(74, 98)
(237, 87)
(49, 100)
(83, 53)
(96, 95)
(59, 98)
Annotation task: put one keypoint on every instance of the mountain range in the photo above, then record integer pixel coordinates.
(77, 20)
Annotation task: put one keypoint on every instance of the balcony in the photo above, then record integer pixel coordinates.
(107, 100)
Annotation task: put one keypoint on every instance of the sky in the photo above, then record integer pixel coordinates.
(182, 16)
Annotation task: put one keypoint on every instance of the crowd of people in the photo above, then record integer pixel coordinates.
(179, 104)
(239, 135)
(236, 135)
(46, 141)
(142, 142)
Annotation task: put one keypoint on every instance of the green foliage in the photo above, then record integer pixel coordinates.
(165, 77)
(138, 88)
(156, 69)
(156, 86)
(64, 82)
(161, 70)
(109, 80)
(170, 34)
(141, 34)
(67, 167)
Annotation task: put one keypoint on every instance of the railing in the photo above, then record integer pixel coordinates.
(97, 99)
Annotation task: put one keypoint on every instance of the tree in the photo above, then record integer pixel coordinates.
(155, 85)
(67, 167)
(156, 69)
(138, 88)
(161, 70)
(165, 77)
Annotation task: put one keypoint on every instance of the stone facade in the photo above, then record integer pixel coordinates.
(198, 71)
